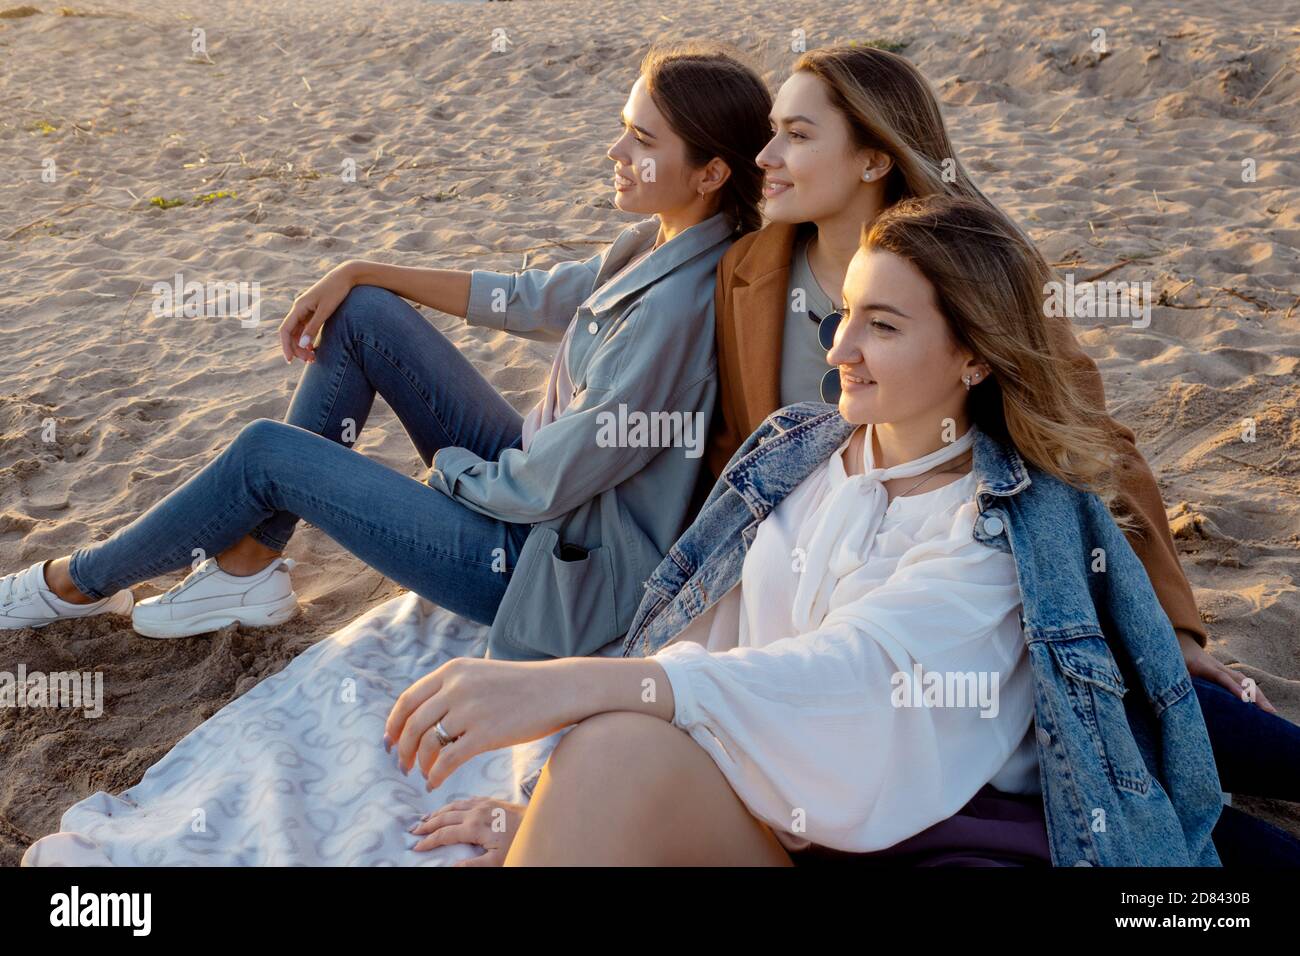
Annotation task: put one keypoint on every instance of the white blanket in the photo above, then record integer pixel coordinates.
(295, 772)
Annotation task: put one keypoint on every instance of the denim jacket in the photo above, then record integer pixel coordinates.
(605, 498)
(1125, 765)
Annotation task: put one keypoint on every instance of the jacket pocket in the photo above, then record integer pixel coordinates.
(563, 608)
(1095, 689)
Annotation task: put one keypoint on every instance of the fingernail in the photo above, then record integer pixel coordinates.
(388, 744)
(304, 341)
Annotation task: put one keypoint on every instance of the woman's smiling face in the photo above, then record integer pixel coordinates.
(651, 172)
(898, 360)
(812, 167)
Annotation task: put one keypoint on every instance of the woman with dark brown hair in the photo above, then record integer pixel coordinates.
(545, 526)
(535, 525)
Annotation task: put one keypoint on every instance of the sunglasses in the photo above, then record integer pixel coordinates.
(826, 326)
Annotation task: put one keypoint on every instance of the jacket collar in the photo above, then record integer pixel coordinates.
(681, 248)
(802, 436)
(769, 251)
(1001, 470)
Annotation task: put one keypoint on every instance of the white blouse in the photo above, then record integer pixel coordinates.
(868, 674)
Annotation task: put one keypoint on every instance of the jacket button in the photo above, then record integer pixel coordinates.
(993, 526)
(593, 327)
(1044, 737)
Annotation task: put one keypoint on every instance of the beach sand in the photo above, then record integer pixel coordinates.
(469, 157)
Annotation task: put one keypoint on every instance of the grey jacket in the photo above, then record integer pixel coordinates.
(614, 474)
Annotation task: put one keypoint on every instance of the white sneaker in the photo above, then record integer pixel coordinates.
(209, 598)
(27, 601)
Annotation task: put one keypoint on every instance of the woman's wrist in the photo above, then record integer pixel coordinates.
(351, 270)
(596, 685)
(446, 290)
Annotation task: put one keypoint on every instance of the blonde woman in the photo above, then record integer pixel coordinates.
(943, 520)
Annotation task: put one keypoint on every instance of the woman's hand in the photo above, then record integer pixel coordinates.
(1202, 664)
(311, 309)
(483, 705)
(480, 821)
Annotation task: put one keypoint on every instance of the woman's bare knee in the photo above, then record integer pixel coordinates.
(626, 788)
(602, 744)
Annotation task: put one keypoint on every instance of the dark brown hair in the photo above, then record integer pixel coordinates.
(720, 107)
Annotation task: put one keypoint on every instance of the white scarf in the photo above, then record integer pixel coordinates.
(834, 547)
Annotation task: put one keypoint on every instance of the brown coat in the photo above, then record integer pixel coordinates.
(753, 278)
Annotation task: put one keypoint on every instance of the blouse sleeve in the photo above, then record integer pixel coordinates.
(814, 732)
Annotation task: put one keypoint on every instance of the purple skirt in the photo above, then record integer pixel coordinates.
(993, 829)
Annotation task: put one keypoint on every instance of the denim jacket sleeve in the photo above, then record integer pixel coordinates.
(644, 366)
(533, 304)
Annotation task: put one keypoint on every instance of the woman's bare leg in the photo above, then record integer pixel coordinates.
(625, 789)
(244, 557)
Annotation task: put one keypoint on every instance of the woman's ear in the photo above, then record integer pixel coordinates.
(876, 165)
(712, 177)
(978, 370)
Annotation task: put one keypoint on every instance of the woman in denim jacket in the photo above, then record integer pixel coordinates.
(943, 337)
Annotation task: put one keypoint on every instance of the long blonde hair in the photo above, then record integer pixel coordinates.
(990, 283)
(890, 107)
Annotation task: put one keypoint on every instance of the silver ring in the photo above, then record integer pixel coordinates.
(444, 738)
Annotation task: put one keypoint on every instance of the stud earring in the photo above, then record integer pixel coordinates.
(867, 175)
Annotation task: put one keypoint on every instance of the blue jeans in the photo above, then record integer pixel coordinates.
(1257, 753)
(274, 473)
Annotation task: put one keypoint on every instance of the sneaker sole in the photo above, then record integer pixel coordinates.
(253, 615)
